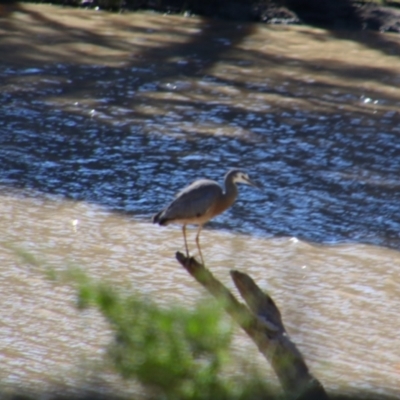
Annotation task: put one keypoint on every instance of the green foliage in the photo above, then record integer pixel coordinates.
(175, 353)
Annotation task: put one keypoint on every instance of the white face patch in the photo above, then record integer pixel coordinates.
(241, 177)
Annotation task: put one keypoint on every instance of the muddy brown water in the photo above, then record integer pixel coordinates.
(104, 117)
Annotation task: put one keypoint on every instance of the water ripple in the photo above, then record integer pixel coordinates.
(327, 177)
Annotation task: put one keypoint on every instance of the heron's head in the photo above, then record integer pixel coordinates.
(238, 176)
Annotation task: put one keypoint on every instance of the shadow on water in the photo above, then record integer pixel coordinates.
(129, 136)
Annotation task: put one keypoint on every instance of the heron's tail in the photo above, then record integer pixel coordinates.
(157, 219)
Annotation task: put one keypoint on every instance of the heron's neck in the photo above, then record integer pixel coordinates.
(230, 194)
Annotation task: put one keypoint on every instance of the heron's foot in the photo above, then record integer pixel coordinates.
(199, 261)
(184, 259)
(187, 260)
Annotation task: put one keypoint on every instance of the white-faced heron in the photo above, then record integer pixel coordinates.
(201, 201)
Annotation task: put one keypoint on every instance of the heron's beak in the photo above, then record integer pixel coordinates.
(251, 183)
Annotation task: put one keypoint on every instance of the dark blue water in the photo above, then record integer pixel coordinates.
(96, 134)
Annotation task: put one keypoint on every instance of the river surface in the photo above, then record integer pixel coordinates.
(105, 117)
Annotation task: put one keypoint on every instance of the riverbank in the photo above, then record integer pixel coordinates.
(328, 14)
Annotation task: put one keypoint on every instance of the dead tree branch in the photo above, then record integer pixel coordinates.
(262, 322)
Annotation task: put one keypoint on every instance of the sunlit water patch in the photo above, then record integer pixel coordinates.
(339, 303)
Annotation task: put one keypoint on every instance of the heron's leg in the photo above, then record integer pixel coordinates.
(184, 237)
(198, 243)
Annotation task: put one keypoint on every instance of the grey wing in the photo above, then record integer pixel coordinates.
(194, 200)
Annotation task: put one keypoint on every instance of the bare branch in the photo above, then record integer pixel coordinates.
(263, 323)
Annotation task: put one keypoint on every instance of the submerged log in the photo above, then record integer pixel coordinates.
(262, 322)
